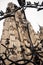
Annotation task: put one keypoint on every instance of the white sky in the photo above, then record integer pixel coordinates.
(33, 16)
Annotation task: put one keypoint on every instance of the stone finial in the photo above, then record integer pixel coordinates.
(11, 7)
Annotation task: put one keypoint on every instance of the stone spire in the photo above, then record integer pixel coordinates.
(41, 32)
(17, 32)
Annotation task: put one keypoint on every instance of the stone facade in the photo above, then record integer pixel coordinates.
(20, 32)
(41, 32)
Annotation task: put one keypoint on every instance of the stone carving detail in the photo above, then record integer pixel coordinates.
(19, 45)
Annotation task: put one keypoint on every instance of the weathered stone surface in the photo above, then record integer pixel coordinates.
(41, 32)
(19, 31)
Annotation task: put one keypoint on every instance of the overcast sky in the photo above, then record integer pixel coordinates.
(33, 16)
